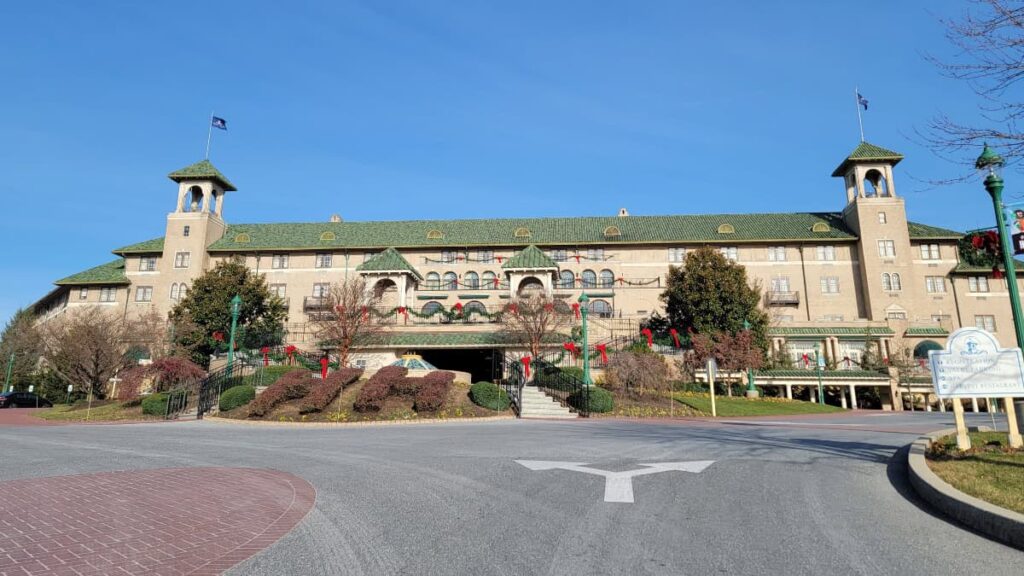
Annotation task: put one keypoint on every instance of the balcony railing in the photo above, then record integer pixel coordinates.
(778, 298)
(314, 303)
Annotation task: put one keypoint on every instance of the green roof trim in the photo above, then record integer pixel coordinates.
(926, 331)
(530, 258)
(389, 261)
(110, 273)
(825, 374)
(825, 331)
(965, 268)
(926, 232)
(429, 297)
(154, 246)
(473, 296)
(202, 170)
(601, 294)
(450, 340)
(866, 152)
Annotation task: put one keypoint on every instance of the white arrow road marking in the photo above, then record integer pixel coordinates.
(618, 486)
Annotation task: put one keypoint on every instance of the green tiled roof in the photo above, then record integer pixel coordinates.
(824, 331)
(202, 170)
(530, 258)
(447, 340)
(825, 374)
(924, 231)
(389, 261)
(926, 331)
(156, 245)
(965, 268)
(866, 152)
(109, 273)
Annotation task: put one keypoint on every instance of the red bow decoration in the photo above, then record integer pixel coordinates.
(620, 280)
(526, 365)
(499, 261)
(458, 307)
(577, 257)
(571, 348)
(576, 309)
(602, 348)
(496, 281)
(218, 336)
(290, 351)
(806, 360)
(549, 307)
(675, 336)
(323, 367)
(266, 357)
(977, 242)
(886, 360)
(847, 360)
(404, 312)
(650, 336)
(366, 313)
(513, 308)
(996, 273)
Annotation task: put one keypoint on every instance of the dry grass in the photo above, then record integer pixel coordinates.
(990, 470)
(104, 411)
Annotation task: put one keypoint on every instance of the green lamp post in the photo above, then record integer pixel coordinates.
(751, 389)
(991, 164)
(236, 304)
(584, 300)
(818, 363)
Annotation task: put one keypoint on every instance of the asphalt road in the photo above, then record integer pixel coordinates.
(787, 495)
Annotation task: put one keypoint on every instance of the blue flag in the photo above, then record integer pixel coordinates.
(223, 124)
(860, 100)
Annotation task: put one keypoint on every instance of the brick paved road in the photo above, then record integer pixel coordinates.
(163, 521)
(23, 417)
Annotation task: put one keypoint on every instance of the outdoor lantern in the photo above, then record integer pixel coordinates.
(989, 163)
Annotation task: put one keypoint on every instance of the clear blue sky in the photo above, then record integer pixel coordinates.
(396, 110)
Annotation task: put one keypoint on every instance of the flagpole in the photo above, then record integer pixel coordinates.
(209, 135)
(856, 102)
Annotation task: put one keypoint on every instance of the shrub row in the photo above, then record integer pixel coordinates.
(325, 391)
(155, 404)
(292, 385)
(378, 388)
(433, 391)
(236, 396)
(598, 400)
(489, 396)
(407, 386)
(549, 376)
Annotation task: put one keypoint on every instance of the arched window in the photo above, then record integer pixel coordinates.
(612, 232)
(450, 281)
(566, 279)
(726, 229)
(879, 186)
(530, 285)
(896, 285)
(328, 237)
(489, 278)
(432, 307)
(601, 309)
(433, 281)
(242, 238)
(891, 282)
(434, 235)
(182, 290)
(886, 281)
(471, 280)
(589, 278)
(195, 199)
(607, 279)
(473, 305)
(174, 291)
(821, 228)
(522, 232)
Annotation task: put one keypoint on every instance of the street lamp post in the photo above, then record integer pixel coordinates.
(236, 303)
(584, 300)
(751, 389)
(818, 363)
(7, 379)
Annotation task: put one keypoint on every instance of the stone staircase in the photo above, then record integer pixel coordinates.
(536, 404)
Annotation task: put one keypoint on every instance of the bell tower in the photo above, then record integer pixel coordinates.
(195, 223)
(879, 219)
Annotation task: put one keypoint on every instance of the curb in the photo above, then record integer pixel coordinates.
(998, 523)
(432, 421)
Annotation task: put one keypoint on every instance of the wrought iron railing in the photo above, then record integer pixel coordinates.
(508, 375)
(177, 402)
(245, 369)
(782, 298)
(561, 385)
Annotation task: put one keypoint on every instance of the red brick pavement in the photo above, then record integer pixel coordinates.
(170, 521)
(22, 417)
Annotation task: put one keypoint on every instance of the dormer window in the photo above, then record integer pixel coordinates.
(726, 229)
(435, 235)
(242, 238)
(821, 228)
(612, 232)
(328, 237)
(522, 232)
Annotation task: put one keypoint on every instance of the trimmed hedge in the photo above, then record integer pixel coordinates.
(325, 391)
(601, 400)
(408, 386)
(378, 388)
(294, 384)
(236, 396)
(548, 376)
(434, 391)
(155, 404)
(489, 396)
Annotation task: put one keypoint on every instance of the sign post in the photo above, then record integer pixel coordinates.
(712, 372)
(973, 365)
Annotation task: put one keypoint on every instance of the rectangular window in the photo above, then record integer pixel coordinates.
(321, 290)
(985, 322)
(677, 254)
(780, 284)
(559, 254)
(929, 251)
(144, 294)
(977, 283)
(279, 290)
(361, 363)
(83, 293)
(595, 254)
(886, 249)
(881, 217)
(830, 284)
(279, 261)
(323, 260)
(776, 253)
(485, 256)
(941, 318)
(108, 294)
(826, 253)
(896, 315)
(147, 264)
(832, 317)
(730, 252)
(182, 259)
(185, 231)
(935, 284)
(448, 256)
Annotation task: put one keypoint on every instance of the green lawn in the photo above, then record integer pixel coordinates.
(992, 473)
(742, 406)
(101, 412)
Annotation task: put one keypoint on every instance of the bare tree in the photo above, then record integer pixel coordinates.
(88, 347)
(530, 320)
(990, 38)
(348, 316)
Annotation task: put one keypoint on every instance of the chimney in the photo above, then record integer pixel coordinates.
(335, 218)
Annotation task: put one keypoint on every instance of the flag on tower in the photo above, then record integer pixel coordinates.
(223, 124)
(860, 100)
